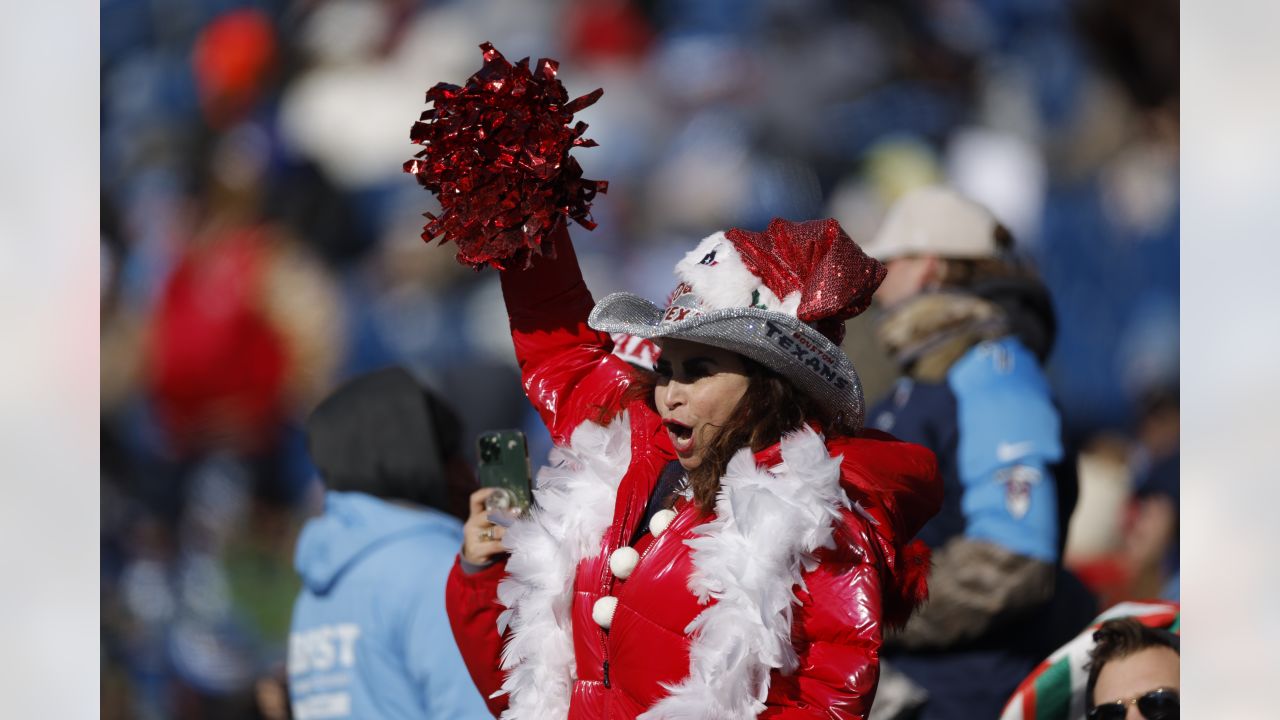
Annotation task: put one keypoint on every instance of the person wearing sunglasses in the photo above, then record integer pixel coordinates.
(1133, 672)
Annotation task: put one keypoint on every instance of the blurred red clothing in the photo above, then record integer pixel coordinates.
(216, 365)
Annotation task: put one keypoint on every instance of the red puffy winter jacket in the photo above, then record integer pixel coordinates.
(722, 616)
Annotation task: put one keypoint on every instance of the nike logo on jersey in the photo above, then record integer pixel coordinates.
(1008, 452)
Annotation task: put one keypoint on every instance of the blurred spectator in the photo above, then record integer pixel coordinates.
(1124, 539)
(1096, 533)
(1151, 544)
(246, 328)
(969, 326)
(231, 59)
(370, 638)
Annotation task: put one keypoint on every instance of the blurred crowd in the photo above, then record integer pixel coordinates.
(260, 244)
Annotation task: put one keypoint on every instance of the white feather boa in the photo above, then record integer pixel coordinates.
(768, 524)
(575, 506)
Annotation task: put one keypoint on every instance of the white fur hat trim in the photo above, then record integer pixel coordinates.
(716, 274)
(660, 521)
(622, 561)
(602, 611)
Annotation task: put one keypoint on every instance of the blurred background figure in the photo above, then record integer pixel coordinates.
(1151, 547)
(969, 325)
(1125, 535)
(260, 244)
(370, 637)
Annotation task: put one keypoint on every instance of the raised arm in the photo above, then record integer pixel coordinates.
(567, 368)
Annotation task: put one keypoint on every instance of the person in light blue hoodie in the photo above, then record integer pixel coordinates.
(370, 637)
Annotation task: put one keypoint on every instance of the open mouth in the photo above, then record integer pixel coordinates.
(681, 435)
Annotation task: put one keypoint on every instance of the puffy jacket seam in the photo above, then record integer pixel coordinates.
(637, 613)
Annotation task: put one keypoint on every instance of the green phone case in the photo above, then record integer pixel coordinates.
(504, 463)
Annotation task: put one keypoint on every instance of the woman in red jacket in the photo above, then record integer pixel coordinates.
(719, 539)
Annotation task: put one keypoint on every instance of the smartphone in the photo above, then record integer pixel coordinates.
(504, 464)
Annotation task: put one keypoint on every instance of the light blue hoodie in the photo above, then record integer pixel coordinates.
(370, 637)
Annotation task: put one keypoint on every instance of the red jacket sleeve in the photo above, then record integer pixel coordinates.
(837, 631)
(472, 604)
(568, 369)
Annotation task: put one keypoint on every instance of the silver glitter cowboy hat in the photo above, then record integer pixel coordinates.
(779, 297)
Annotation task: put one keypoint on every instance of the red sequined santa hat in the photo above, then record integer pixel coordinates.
(779, 297)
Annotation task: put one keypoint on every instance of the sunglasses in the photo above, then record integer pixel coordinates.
(1159, 704)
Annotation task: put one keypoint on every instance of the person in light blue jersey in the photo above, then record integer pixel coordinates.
(969, 326)
(369, 636)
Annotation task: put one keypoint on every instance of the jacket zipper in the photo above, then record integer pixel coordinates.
(608, 587)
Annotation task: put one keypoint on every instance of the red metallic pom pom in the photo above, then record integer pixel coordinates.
(496, 154)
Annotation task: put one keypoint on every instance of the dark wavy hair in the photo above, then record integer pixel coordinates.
(771, 407)
(1117, 639)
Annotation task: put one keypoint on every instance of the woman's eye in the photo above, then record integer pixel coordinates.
(697, 371)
